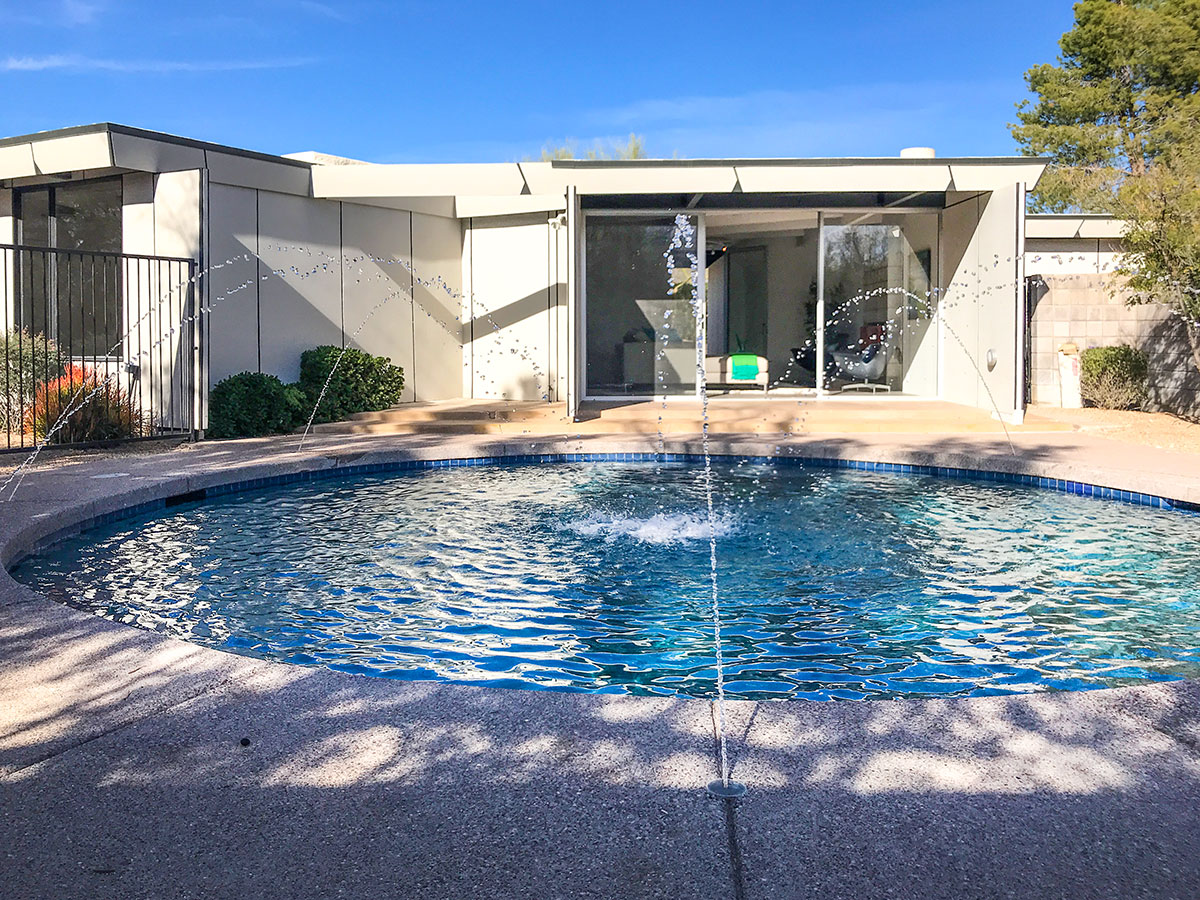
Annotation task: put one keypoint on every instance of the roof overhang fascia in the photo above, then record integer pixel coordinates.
(1068, 227)
(631, 178)
(119, 148)
(843, 178)
(56, 155)
(469, 207)
(418, 180)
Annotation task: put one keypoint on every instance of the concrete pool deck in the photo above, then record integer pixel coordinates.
(123, 771)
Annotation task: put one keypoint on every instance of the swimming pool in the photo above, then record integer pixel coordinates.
(594, 576)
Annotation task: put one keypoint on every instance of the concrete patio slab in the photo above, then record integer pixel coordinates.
(123, 773)
(365, 787)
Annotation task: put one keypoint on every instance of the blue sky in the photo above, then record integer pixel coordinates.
(475, 81)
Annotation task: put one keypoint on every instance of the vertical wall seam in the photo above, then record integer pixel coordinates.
(342, 272)
(412, 300)
(551, 310)
(199, 295)
(258, 281)
(471, 300)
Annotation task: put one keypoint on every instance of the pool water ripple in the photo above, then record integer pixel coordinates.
(834, 584)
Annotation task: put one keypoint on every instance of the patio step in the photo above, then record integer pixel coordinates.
(485, 412)
(726, 415)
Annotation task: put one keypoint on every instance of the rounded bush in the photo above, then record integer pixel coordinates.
(1113, 377)
(360, 383)
(252, 404)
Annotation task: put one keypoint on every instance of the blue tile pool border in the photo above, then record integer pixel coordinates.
(1059, 485)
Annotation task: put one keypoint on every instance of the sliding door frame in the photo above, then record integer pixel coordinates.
(581, 276)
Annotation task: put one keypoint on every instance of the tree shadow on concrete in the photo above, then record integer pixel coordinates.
(132, 765)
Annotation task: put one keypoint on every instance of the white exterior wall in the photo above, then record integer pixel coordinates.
(232, 282)
(982, 280)
(300, 299)
(437, 252)
(918, 336)
(377, 285)
(560, 318)
(160, 216)
(326, 272)
(513, 324)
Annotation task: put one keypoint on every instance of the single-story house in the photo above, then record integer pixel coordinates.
(174, 263)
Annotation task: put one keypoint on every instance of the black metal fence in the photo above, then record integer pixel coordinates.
(96, 347)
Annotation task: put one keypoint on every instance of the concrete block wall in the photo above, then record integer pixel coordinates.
(1082, 309)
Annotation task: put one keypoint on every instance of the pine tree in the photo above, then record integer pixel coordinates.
(1126, 87)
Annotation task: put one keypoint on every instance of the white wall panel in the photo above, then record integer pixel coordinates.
(377, 303)
(959, 307)
(145, 155)
(980, 307)
(17, 161)
(561, 320)
(137, 213)
(177, 214)
(437, 372)
(509, 327)
(71, 154)
(232, 282)
(301, 307)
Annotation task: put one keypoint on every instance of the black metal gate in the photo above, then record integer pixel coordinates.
(1035, 289)
(96, 347)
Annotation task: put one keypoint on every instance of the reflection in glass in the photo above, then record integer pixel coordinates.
(84, 317)
(641, 332)
(879, 300)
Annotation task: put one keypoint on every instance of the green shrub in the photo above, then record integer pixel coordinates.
(361, 382)
(26, 362)
(1113, 377)
(252, 404)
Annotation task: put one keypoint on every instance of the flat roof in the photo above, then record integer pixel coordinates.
(693, 162)
(490, 189)
(146, 134)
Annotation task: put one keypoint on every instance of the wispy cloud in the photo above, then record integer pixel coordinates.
(59, 14)
(324, 9)
(73, 63)
(79, 12)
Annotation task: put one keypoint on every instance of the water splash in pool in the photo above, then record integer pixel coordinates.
(661, 528)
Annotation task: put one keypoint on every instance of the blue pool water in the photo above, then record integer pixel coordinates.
(586, 576)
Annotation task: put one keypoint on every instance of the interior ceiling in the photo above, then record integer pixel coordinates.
(731, 223)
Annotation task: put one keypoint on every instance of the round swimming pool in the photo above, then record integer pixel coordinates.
(594, 577)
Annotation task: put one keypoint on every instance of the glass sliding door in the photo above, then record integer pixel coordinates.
(880, 297)
(762, 297)
(640, 325)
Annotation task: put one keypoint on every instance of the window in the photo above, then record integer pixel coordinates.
(67, 288)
